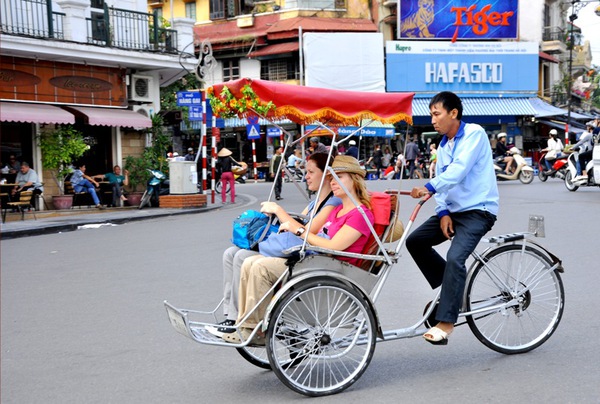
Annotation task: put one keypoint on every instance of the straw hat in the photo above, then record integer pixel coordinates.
(224, 152)
(396, 232)
(347, 164)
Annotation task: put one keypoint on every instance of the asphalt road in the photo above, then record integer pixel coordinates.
(83, 318)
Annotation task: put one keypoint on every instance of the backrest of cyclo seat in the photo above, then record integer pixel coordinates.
(383, 206)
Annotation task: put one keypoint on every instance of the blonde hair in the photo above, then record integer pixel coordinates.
(360, 188)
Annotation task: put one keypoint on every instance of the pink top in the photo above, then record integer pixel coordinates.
(355, 220)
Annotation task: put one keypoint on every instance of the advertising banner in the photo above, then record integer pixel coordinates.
(458, 19)
(485, 68)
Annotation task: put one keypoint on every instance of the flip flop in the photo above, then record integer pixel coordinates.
(436, 336)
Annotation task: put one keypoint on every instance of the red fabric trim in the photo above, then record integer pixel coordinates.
(306, 105)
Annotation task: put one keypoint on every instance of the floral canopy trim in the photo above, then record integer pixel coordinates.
(305, 105)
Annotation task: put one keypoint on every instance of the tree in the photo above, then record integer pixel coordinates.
(60, 147)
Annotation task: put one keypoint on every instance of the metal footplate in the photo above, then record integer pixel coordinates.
(196, 330)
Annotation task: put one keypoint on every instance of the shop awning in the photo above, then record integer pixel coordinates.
(482, 106)
(560, 125)
(543, 109)
(112, 117)
(276, 49)
(34, 113)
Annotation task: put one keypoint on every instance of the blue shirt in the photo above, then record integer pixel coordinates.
(465, 178)
(77, 177)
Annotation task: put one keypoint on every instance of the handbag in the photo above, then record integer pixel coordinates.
(551, 155)
(276, 243)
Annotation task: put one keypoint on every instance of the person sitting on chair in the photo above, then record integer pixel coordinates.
(344, 230)
(84, 183)
(117, 181)
(27, 179)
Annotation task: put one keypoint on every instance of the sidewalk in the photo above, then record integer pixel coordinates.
(55, 221)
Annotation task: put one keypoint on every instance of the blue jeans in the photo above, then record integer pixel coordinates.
(451, 274)
(86, 186)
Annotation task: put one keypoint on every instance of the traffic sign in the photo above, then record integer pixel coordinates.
(253, 131)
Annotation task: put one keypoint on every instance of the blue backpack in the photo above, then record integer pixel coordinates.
(250, 228)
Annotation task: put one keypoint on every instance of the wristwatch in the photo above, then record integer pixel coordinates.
(300, 231)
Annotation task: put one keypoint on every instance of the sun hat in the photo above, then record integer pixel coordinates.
(396, 232)
(190, 149)
(347, 164)
(501, 135)
(224, 152)
(553, 132)
(352, 143)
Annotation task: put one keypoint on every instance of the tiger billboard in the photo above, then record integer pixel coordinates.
(458, 19)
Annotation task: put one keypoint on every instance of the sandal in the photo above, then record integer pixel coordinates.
(234, 337)
(437, 336)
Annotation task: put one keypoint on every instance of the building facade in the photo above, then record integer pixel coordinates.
(97, 65)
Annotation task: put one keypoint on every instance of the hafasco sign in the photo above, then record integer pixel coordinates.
(464, 66)
(458, 19)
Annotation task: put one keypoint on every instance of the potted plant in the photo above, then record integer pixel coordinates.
(137, 178)
(153, 157)
(60, 147)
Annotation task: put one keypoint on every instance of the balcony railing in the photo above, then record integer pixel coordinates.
(128, 29)
(554, 34)
(32, 18)
(113, 27)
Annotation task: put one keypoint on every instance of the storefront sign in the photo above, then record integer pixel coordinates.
(349, 130)
(52, 82)
(459, 19)
(428, 67)
(273, 132)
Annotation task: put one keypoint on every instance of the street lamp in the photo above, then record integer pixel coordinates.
(576, 6)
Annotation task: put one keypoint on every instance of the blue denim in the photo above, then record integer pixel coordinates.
(450, 273)
(86, 186)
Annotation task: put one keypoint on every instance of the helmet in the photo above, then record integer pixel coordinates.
(501, 135)
(553, 132)
(352, 143)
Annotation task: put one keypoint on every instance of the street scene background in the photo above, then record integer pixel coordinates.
(83, 318)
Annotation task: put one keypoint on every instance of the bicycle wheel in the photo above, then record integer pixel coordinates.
(256, 356)
(511, 273)
(321, 337)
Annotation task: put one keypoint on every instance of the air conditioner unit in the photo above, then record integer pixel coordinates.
(140, 88)
(146, 110)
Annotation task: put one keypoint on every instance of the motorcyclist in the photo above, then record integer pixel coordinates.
(503, 151)
(585, 148)
(554, 143)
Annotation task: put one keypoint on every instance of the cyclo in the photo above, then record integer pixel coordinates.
(321, 326)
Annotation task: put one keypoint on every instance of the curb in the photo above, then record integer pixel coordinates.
(85, 220)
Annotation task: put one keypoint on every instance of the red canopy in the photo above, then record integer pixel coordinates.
(305, 105)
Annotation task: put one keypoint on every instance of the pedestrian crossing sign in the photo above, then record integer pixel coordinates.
(253, 131)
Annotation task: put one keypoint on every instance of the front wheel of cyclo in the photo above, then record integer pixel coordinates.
(321, 337)
(511, 273)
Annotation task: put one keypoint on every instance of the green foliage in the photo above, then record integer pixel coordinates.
(153, 157)
(60, 148)
(168, 95)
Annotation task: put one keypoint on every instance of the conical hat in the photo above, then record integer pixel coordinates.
(224, 152)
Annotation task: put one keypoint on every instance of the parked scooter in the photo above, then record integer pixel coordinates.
(523, 172)
(559, 168)
(153, 189)
(592, 168)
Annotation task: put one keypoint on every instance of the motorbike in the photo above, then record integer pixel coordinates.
(592, 167)
(154, 189)
(559, 168)
(523, 172)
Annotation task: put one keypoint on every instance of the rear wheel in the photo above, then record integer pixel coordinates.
(321, 337)
(534, 295)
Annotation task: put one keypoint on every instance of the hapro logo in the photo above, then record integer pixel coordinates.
(450, 73)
